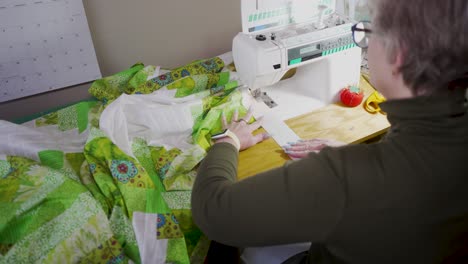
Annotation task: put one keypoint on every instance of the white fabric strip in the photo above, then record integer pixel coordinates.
(152, 250)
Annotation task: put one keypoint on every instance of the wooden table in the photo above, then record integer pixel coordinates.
(335, 121)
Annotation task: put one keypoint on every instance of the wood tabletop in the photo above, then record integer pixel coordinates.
(346, 124)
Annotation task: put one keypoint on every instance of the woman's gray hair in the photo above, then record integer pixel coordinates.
(433, 36)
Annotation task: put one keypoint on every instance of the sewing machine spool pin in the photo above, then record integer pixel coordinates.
(320, 24)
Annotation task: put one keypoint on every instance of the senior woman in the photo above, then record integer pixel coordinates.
(401, 200)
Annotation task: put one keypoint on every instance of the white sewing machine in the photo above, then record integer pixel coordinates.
(308, 35)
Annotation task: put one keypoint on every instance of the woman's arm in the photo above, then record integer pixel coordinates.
(301, 201)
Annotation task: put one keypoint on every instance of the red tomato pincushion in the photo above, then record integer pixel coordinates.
(351, 96)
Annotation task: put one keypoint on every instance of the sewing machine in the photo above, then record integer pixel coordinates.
(308, 37)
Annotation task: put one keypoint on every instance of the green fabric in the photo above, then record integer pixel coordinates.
(163, 158)
(223, 79)
(134, 80)
(67, 118)
(4, 168)
(210, 122)
(65, 208)
(191, 232)
(231, 85)
(122, 228)
(82, 110)
(141, 76)
(177, 252)
(108, 252)
(197, 83)
(113, 171)
(176, 168)
(48, 119)
(208, 67)
(143, 153)
(37, 116)
(177, 199)
(80, 205)
(73, 116)
(156, 204)
(52, 158)
(75, 160)
(200, 250)
(94, 115)
(109, 88)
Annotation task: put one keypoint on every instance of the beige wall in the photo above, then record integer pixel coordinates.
(167, 33)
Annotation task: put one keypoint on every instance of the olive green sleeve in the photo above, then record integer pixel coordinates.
(301, 201)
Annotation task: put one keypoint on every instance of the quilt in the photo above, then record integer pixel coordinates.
(109, 180)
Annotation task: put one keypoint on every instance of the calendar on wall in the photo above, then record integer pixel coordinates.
(44, 45)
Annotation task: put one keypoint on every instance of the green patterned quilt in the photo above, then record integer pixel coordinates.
(75, 189)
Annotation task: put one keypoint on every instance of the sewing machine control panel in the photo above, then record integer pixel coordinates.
(317, 49)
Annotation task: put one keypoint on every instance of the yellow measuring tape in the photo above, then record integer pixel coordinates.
(372, 103)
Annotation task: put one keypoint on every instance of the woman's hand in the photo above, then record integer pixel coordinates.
(302, 148)
(243, 130)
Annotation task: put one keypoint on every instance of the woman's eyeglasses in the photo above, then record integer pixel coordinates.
(361, 32)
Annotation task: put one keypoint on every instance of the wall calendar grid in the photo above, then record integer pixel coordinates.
(44, 45)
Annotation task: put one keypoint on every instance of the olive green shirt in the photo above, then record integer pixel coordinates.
(401, 200)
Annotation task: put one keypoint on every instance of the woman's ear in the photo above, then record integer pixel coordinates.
(400, 88)
(397, 62)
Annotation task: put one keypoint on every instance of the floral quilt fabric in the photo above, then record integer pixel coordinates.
(68, 193)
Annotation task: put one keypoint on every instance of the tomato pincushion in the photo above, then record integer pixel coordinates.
(351, 96)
